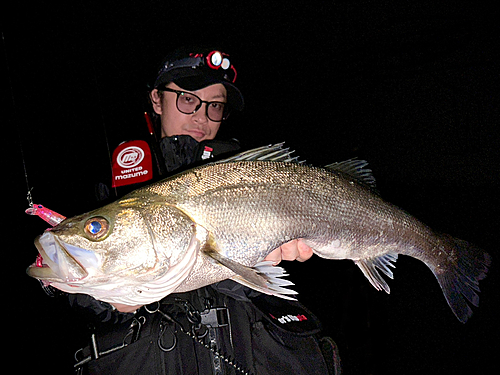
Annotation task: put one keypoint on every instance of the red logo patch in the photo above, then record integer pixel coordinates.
(132, 163)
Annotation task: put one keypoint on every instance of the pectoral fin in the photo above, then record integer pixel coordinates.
(263, 277)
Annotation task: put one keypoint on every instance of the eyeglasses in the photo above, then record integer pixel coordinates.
(189, 104)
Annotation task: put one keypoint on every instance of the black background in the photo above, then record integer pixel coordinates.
(410, 86)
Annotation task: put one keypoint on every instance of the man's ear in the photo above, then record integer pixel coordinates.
(156, 101)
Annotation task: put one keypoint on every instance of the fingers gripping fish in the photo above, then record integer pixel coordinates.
(220, 220)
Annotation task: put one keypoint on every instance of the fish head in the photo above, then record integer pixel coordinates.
(121, 251)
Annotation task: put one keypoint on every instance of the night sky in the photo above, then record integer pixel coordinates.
(410, 86)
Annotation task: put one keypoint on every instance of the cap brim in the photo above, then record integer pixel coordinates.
(198, 82)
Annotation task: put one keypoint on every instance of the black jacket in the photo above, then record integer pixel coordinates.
(220, 329)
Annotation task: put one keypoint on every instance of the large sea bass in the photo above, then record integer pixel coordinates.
(219, 221)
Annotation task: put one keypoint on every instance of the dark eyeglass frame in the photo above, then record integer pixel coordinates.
(225, 111)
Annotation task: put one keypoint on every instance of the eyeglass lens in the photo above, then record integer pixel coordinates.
(188, 103)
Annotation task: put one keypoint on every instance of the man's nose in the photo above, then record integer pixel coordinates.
(200, 116)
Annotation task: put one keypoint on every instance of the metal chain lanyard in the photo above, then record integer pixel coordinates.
(208, 319)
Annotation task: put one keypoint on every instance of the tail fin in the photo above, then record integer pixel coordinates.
(459, 278)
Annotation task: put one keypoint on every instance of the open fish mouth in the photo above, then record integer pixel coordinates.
(56, 261)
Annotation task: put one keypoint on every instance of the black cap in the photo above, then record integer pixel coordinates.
(194, 69)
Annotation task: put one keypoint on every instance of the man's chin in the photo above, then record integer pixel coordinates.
(198, 135)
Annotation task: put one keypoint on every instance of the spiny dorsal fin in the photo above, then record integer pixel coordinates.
(352, 167)
(274, 152)
(356, 169)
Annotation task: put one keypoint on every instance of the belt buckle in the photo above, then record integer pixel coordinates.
(215, 317)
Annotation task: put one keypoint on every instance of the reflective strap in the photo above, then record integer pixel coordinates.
(216, 360)
(215, 318)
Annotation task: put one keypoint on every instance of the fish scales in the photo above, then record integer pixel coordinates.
(219, 221)
(271, 203)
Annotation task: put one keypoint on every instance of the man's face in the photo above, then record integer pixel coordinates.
(197, 125)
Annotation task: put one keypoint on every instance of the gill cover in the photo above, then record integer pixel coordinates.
(176, 241)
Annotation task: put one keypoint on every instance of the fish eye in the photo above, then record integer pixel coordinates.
(96, 228)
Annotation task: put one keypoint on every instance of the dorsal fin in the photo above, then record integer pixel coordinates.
(274, 152)
(352, 167)
(356, 169)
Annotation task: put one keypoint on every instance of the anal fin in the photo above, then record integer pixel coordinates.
(263, 277)
(369, 269)
(270, 278)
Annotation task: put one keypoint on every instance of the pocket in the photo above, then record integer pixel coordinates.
(288, 316)
(279, 352)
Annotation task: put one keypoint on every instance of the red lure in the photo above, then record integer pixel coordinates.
(51, 217)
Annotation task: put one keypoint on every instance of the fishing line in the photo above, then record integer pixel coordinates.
(91, 55)
(29, 196)
(103, 122)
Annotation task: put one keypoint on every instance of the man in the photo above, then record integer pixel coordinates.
(224, 328)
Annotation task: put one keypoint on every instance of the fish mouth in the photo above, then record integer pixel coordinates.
(54, 262)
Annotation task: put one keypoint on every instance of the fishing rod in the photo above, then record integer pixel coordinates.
(19, 137)
(50, 216)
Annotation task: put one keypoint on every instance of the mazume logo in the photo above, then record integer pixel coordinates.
(130, 156)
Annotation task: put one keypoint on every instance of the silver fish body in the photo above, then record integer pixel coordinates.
(221, 220)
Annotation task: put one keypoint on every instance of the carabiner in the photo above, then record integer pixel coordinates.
(163, 328)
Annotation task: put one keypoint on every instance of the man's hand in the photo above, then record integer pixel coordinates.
(126, 308)
(293, 250)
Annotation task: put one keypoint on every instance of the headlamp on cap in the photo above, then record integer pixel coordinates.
(214, 60)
